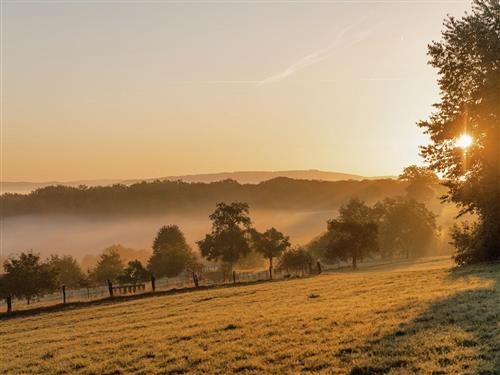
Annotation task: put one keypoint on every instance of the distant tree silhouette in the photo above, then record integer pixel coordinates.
(318, 247)
(178, 196)
(27, 277)
(171, 252)
(271, 244)
(296, 259)
(134, 273)
(229, 239)
(109, 267)
(422, 182)
(405, 227)
(468, 62)
(68, 270)
(354, 233)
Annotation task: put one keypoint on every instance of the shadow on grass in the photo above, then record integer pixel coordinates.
(458, 334)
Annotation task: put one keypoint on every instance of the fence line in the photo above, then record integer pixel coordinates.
(208, 277)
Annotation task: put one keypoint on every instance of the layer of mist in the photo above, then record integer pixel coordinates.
(77, 236)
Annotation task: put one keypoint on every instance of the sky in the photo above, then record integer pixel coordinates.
(129, 89)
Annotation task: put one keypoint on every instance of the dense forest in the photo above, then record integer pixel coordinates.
(176, 196)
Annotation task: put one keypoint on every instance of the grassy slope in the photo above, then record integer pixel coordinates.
(400, 318)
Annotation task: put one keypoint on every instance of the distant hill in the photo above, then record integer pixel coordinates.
(245, 177)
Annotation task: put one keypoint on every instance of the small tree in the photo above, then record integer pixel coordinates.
(229, 239)
(27, 277)
(354, 233)
(134, 273)
(171, 252)
(68, 270)
(109, 267)
(270, 244)
(296, 259)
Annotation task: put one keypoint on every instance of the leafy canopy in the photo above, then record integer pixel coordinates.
(27, 277)
(171, 252)
(229, 239)
(467, 59)
(354, 233)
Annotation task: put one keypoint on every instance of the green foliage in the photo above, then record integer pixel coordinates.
(229, 239)
(468, 62)
(109, 267)
(27, 277)
(406, 227)
(68, 270)
(134, 273)
(354, 233)
(171, 252)
(296, 259)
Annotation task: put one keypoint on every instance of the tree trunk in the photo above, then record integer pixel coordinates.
(270, 268)
(354, 261)
(153, 283)
(9, 303)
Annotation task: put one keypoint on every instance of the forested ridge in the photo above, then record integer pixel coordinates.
(174, 196)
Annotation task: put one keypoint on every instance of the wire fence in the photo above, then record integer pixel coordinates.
(207, 277)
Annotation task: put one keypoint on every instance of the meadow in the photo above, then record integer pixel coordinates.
(418, 316)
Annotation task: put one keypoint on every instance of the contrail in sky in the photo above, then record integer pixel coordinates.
(315, 57)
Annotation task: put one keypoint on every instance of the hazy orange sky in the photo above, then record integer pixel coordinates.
(115, 89)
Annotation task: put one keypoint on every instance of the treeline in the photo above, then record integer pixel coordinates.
(393, 227)
(177, 196)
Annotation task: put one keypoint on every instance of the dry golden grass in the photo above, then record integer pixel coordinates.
(418, 317)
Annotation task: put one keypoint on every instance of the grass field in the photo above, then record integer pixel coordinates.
(408, 317)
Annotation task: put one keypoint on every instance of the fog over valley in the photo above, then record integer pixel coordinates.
(79, 236)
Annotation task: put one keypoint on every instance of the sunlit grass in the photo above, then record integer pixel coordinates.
(409, 317)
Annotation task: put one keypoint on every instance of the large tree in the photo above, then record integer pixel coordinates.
(468, 62)
(354, 233)
(171, 252)
(406, 227)
(27, 277)
(229, 239)
(271, 244)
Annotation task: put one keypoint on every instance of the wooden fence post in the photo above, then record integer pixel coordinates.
(9, 303)
(195, 279)
(318, 264)
(110, 288)
(64, 293)
(153, 283)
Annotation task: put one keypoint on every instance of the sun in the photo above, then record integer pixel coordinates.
(464, 141)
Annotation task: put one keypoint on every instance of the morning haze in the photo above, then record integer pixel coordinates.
(258, 187)
(102, 90)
